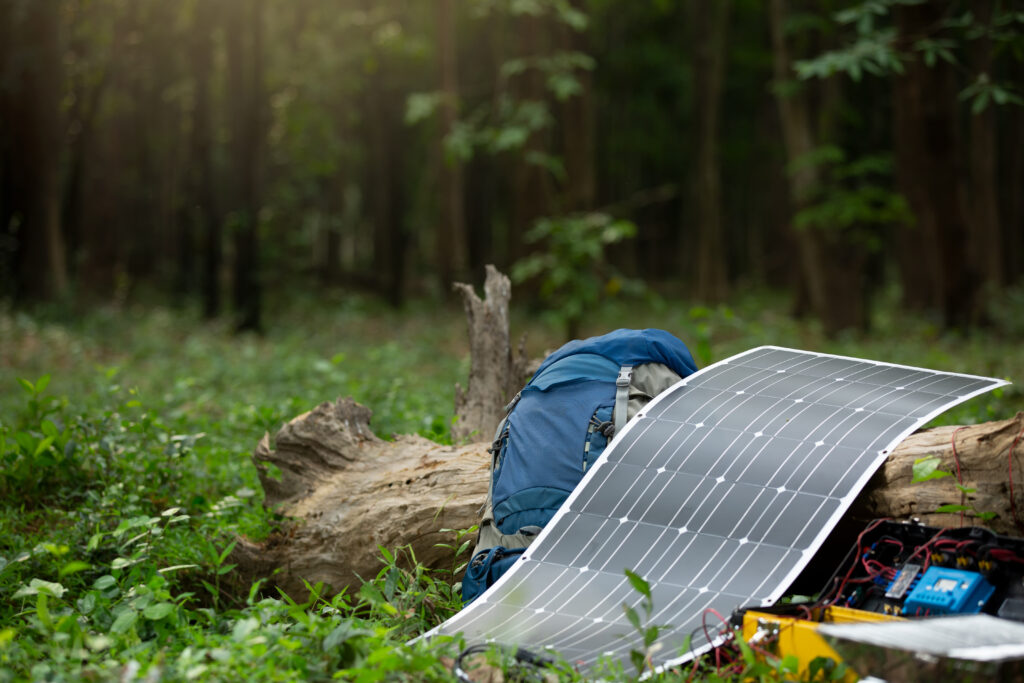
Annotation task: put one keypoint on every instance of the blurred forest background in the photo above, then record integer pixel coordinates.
(839, 175)
(203, 151)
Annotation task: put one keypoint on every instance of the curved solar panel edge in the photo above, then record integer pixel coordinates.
(718, 493)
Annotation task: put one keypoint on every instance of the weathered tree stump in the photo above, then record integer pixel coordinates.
(495, 372)
(347, 492)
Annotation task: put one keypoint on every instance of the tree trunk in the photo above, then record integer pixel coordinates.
(205, 214)
(531, 187)
(451, 227)
(245, 74)
(41, 252)
(928, 171)
(8, 260)
(1012, 181)
(578, 128)
(987, 229)
(799, 143)
(349, 492)
(385, 183)
(832, 264)
(710, 26)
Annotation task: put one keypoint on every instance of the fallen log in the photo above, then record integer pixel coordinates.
(345, 492)
(987, 457)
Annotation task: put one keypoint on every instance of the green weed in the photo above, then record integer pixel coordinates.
(125, 474)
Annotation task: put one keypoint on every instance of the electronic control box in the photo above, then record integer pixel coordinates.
(911, 570)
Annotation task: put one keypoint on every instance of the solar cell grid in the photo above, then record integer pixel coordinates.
(718, 494)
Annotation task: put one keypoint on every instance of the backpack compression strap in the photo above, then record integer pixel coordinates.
(619, 416)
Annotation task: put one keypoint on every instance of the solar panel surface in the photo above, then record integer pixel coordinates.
(718, 494)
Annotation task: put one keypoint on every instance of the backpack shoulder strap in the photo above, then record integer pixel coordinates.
(619, 414)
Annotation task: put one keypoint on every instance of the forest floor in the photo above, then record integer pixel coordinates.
(125, 436)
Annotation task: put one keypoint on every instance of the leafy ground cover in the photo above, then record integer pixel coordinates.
(125, 437)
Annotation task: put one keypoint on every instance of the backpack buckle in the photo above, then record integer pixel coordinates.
(625, 374)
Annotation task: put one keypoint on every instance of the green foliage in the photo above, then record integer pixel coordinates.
(114, 562)
(648, 632)
(927, 469)
(853, 198)
(505, 123)
(575, 275)
(873, 47)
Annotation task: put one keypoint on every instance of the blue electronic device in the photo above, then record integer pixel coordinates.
(944, 590)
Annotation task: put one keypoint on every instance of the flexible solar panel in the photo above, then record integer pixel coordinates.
(718, 494)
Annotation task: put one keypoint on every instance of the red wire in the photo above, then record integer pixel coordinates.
(1009, 469)
(846, 579)
(927, 556)
(959, 478)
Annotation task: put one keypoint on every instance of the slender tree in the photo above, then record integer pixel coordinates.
(577, 118)
(37, 149)
(204, 213)
(710, 26)
(798, 138)
(451, 227)
(928, 170)
(984, 158)
(244, 31)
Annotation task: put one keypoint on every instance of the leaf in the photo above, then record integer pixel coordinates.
(43, 611)
(633, 617)
(125, 621)
(789, 664)
(87, 603)
(343, 632)
(42, 446)
(926, 469)
(158, 611)
(639, 584)
(27, 386)
(391, 582)
(952, 508)
(42, 383)
(47, 587)
(748, 653)
(74, 567)
(104, 582)
(227, 551)
(243, 627)
(638, 660)
(420, 106)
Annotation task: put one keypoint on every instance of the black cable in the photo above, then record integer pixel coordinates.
(519, 654)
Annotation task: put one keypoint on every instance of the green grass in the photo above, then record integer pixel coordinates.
(125, 437)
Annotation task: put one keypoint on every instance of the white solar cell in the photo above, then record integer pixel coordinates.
(718, 494)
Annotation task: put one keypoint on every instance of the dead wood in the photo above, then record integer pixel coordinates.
(346, 492)
(496, 373)
(985, 465)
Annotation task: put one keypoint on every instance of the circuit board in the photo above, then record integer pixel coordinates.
(911, 570)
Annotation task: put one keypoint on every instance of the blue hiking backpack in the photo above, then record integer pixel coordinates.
(556, 427)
